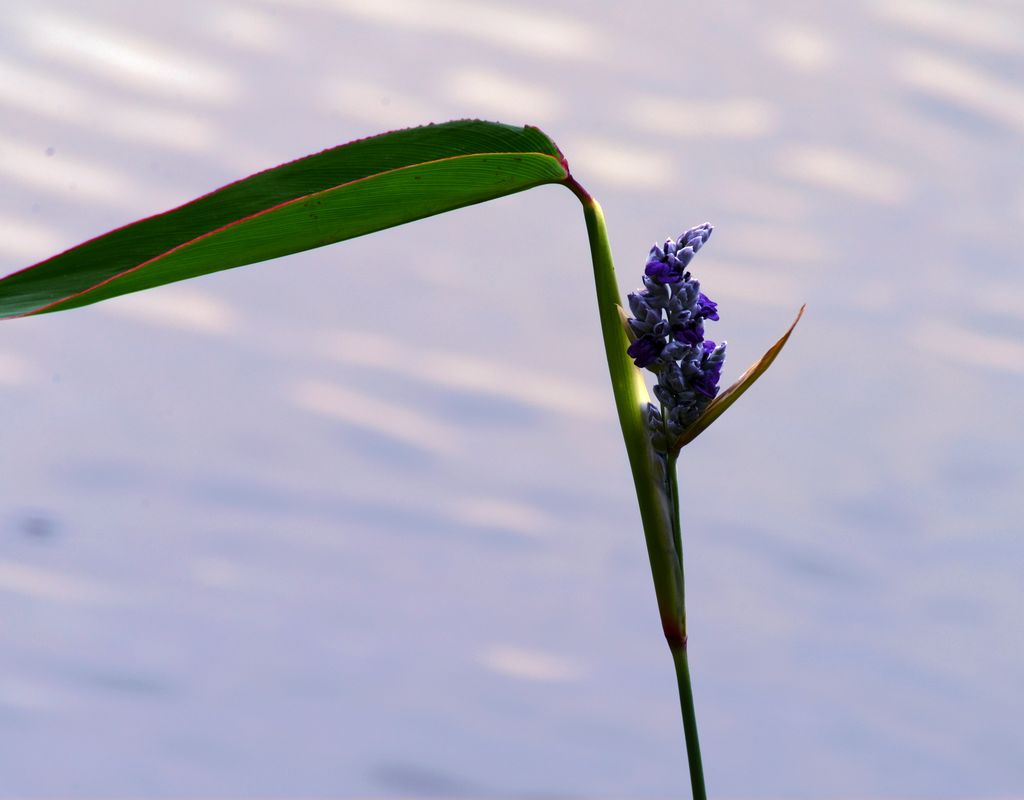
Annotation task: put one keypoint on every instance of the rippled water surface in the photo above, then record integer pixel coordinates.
(359, 522)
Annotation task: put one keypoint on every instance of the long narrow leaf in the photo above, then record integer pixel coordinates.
(341, 193)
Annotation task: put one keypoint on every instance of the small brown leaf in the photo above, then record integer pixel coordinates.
(718, 406)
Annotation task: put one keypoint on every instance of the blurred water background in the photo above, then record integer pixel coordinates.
(359, 522)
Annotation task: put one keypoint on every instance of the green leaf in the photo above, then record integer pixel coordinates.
(718, 406)
(347, 191)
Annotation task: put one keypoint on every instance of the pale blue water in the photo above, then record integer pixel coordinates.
(359, 523)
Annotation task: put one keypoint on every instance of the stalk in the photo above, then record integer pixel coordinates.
(680, 660)
(689, 722)
(653, 474)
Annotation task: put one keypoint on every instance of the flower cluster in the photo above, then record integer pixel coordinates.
(668, 322)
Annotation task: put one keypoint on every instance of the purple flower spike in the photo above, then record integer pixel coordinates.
(668, 320)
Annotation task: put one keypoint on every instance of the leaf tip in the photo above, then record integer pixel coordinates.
(624, 319)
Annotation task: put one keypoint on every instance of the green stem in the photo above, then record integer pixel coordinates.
(689, 722)
(672, 486)
(653, 474)
(631, 400)
(679, 656)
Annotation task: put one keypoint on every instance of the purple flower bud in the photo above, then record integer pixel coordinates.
(691, 334)
(708, 307)
(669, 270)
(637, 304)
(657, 295)
(711, 369)
(645, 350)
(696, 236)
(674, 351)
